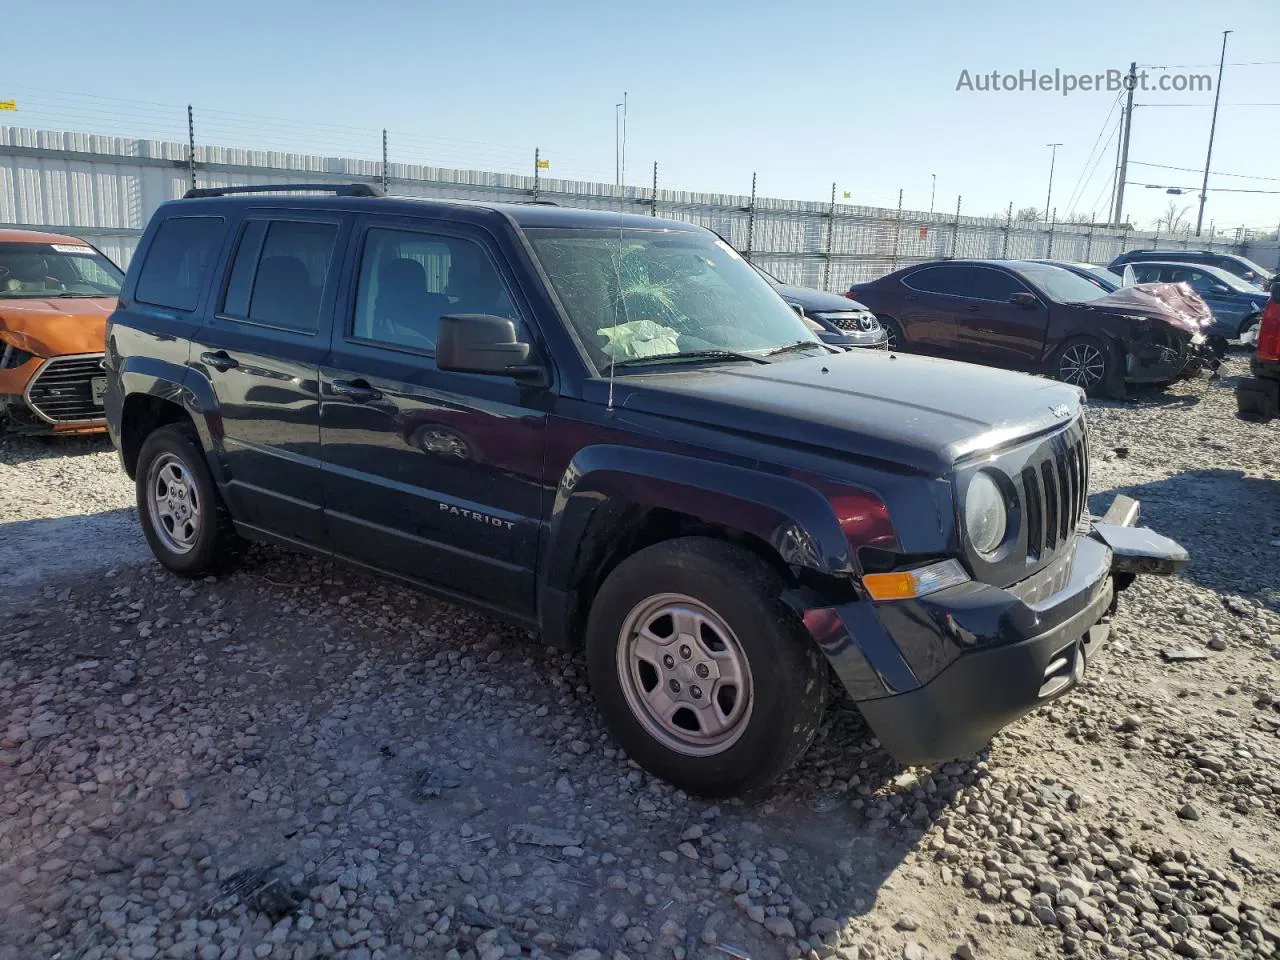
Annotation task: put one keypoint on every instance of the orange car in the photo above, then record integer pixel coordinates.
(55, 295)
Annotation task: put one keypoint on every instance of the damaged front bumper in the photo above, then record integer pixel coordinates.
(1161, 355)
(937, 677)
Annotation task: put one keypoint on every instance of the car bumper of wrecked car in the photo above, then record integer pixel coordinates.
(937, 677)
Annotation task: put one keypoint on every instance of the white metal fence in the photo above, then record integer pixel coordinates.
(105, 188)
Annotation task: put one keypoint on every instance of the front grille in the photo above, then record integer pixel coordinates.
(62, 390)
(1055, 491)
(853, 322)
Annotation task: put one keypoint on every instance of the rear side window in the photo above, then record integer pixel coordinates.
(950, 281)
(179, 262)
(279, 273)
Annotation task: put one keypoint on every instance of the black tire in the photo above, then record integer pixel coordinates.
(895, 339)
(1090, 364)
(784, 700)
(213, 545)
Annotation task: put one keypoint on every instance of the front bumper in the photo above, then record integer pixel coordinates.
(960, 664)
(51, 396)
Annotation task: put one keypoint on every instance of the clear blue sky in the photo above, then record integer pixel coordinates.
(802, 93)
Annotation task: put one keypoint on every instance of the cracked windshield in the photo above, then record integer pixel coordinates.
(665, 295)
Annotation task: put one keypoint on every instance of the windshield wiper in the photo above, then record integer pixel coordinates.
(69, 296)
(689, 355)
(788, 347)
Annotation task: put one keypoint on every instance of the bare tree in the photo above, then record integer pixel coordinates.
(1173, 219)
(1027, 213)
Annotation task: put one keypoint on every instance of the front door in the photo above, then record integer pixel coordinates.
(928, 308)
(991, 328)
(431, 475)
(261, 351)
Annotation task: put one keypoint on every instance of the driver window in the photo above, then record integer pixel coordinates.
(409, 280)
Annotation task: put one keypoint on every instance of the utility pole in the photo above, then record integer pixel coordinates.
(620, 139)
(751, 217)
(1053, 157)
(384, 160)
(537, 172)
(655, 188)
(933, 192)
(1124, 150)
(1115, 169)
(1213, 124)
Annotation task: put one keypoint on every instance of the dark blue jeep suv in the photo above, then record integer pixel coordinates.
(611, 430)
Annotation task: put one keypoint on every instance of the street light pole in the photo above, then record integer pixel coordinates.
(933, 191)
(1053, 157)
(1213, 124)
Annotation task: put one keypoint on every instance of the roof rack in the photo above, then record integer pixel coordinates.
(337, 189)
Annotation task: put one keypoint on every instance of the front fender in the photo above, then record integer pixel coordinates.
(795, 519)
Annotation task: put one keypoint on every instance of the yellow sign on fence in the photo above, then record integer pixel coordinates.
(8, 104)
(544, 164)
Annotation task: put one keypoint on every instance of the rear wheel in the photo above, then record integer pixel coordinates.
(702, 674)
(183, 518)
(1085, 363)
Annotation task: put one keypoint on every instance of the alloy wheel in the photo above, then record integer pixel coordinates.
(1083, 365)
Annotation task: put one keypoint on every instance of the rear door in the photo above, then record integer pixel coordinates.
(261, 350)
(991, 328)
(429, 474)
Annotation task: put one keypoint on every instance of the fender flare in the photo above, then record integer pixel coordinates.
(175, 384)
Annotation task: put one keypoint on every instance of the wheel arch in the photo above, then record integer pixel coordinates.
(156, 394)
(610, 505)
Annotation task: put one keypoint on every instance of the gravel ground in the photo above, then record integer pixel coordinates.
(296, 761)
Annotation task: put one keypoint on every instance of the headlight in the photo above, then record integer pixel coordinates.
(11, 357)
(985, 514)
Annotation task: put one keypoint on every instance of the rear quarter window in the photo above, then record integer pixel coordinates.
(178, 262)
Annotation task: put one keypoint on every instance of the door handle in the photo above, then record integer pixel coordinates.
(357, 390)
(220, 361)
(972, 308)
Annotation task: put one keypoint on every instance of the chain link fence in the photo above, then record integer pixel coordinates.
(106, 188)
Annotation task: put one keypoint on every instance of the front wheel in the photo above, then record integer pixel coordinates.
(1085, 363)
(702, 674)
(895, 340)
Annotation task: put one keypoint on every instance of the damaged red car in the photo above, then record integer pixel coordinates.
(1024, 315)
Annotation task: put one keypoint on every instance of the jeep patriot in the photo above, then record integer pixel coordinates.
(611, 430)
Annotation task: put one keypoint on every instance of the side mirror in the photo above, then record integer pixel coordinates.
(1275, 290)
(1025, 299)
(1249, 275)
(482, 343)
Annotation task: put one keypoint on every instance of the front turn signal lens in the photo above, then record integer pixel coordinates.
(920, 582)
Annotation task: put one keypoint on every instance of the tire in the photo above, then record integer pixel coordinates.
(758, 718)
(186, 523)
(1087, 363)
(896, 340)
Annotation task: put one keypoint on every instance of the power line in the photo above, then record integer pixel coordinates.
(1085, 167)
(1164, 166)
(1206, 104)
(1194, 66)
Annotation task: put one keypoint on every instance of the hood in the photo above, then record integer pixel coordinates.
(816, 301)
(56, 326)
(1175, 303)
(912, 412)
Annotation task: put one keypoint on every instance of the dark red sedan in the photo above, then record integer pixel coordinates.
(1024, 315)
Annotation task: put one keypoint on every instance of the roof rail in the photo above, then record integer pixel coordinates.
(539, 203)
(337, 189)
